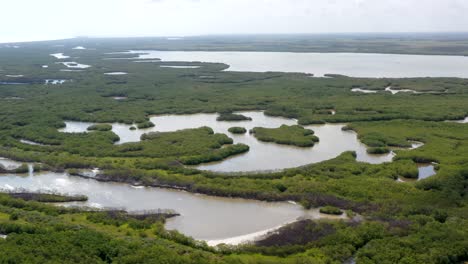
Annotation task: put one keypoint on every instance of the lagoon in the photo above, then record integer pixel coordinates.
(319, 64)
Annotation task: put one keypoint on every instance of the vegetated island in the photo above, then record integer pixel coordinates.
(144, 125)
(378, 150)
(100, 127)
(233, 117)
(237, 130)
(188, 146)
(286, 135)
(330, 210)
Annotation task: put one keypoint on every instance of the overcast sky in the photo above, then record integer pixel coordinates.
(24, 20)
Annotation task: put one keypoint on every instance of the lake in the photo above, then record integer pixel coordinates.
(319, 64)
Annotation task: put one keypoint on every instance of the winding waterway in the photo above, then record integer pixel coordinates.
(261, 156)
(202, 217)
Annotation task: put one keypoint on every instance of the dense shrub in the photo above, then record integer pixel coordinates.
(232, 117)
(237, 130)
(287, 135)
(100, 127)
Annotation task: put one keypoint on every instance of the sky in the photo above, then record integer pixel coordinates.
(28, 20)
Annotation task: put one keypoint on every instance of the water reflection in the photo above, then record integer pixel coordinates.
(426, 171)
(116, 73)
(59, 56)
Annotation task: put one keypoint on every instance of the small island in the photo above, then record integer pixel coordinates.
(147, 124)
(378, 150)
(330, 210)
(237, 130)
(233, 117)
(286, 135)
(100, 127)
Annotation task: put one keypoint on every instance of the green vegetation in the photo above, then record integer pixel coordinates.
(378, 150)
(118, 218)
(331, 210)
(413, 222)
(48, 197)
(237, 130)
(100, 127)
(147, 124)
(232, 117)
(286, 135)
(217, 155)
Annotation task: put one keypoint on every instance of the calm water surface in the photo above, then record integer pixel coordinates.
(426, 171)
(351, 64)
(116, 73)
(59, 56)
(202, 217)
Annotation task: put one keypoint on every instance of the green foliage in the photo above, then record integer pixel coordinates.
(232, 117)
(237, 130)
(444, 242)
(135, 221)
(216, 155)
(286, 135)
(378, 150)
(100, 127)
(147, 124)
(331, 210)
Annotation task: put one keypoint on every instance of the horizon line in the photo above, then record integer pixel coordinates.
(238, 34)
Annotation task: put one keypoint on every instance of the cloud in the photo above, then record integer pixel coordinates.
(56, 18)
